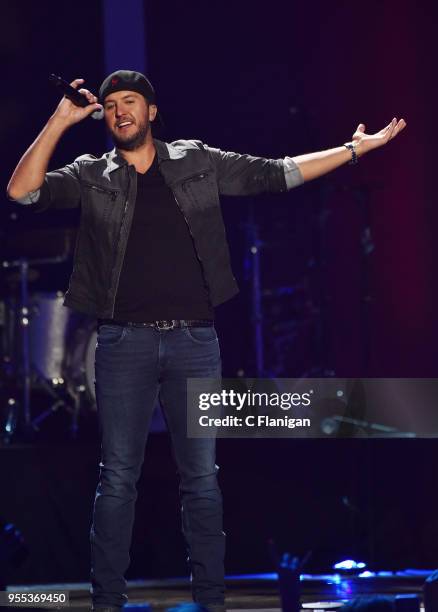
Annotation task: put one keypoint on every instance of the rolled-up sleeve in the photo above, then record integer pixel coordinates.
(30, 198)
(292, 173)
(60, 189)
(239, 174)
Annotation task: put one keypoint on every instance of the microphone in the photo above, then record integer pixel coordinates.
(73, 94)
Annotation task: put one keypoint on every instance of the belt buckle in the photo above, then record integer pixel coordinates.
(162, 325)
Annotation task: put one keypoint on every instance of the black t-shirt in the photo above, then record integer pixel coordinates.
(161, 276)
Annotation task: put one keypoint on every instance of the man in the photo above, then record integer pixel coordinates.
(151, 263)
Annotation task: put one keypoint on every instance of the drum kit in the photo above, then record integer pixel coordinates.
(47, 350)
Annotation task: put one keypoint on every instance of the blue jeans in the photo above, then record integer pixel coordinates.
(133, 365)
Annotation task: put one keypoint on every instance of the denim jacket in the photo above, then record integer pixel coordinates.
(105, 188)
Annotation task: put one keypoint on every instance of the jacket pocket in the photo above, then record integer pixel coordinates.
(201, 189)
(98, 200)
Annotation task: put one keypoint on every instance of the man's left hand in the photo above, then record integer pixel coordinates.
(367, 142)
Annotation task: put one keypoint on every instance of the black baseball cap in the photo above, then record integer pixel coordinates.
(127, 80)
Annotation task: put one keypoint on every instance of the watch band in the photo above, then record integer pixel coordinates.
(351, 146)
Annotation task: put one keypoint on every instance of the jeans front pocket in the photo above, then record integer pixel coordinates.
(111, 335)
(202, 335)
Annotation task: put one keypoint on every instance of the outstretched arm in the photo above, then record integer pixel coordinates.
(313, 165)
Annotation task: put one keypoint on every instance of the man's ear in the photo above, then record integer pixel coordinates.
(152, 112)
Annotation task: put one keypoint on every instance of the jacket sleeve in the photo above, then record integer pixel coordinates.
(60, 189)
(239, 174)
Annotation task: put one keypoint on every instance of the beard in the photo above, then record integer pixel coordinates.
(131, 143)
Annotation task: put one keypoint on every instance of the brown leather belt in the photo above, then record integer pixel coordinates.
(164, 324)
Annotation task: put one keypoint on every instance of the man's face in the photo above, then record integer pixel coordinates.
(128, 117)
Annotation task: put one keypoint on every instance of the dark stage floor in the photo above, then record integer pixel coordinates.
(259, 591)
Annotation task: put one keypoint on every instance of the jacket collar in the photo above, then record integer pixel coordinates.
(164, 151)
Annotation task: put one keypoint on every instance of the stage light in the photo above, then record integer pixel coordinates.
(367, 574)
(349, 564)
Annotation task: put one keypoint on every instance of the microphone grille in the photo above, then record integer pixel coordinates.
(98, 114)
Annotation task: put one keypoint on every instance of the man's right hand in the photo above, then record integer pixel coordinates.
(29, 174)
(68, 113)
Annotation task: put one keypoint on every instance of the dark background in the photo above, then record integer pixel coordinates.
(347, 261)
